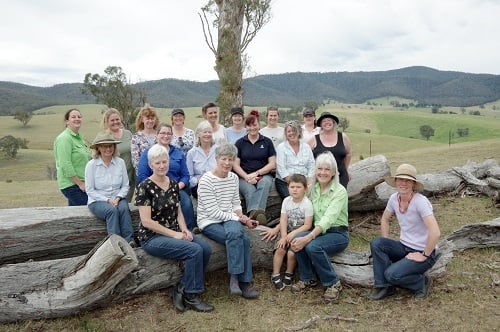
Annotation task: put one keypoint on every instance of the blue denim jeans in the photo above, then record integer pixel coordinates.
(230, 233)
(281, 188)
(315, 257)
(195, 255)
(187, 209)
(390, 267)
(118, 220)
(75, 196)
(256, 194)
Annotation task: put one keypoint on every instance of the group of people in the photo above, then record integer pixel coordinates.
(167, 164)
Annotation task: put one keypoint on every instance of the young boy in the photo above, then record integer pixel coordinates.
(296, 217)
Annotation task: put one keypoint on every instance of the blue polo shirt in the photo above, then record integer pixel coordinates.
(254, 156)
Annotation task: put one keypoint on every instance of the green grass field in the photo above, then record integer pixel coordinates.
(464, 299)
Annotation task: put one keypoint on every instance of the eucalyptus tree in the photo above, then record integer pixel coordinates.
(237, 23)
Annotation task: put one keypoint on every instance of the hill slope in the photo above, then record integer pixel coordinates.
(426, 85)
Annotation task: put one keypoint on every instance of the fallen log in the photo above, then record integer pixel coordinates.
(113, 271)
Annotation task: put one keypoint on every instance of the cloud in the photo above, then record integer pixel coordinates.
(57, 41)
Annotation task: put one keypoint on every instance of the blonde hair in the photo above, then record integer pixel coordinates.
(106, 115)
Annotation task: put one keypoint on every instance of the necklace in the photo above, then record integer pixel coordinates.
(402, 207)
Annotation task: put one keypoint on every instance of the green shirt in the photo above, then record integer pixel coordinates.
(330, 209)
(71, 154)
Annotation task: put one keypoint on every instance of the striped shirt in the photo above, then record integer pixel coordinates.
(218, 199)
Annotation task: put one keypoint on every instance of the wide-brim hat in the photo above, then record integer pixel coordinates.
(325, 115)
(405, 171)
(104, 138)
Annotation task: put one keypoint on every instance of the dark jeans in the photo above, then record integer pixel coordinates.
(390, 267)
(75, 196)
(195, 255)
(187, 208)
(281, 188)
(314, 259)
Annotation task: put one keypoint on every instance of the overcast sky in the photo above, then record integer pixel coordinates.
(46, 42)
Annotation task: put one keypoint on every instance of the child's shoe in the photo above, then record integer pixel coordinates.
(288, 280)
(278, 284)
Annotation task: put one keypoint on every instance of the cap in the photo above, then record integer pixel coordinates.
(178, 111)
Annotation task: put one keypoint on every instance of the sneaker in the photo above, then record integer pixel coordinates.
(287, 281)
(247, 290)
(424, 292)
(332, 293)
(303, 285)
(278, 284)
(234, 285)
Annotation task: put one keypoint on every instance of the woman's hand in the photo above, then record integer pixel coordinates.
(187, 235)
(416, 256)
(114, 202)
(299, 243)
(270, 233)
(81, 185)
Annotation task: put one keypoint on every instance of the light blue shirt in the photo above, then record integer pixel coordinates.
(233, 135)
(198, 163)
(288, 162)
(104, 182)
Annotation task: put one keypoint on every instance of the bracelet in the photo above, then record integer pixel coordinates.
(423, 253)
(313, 235)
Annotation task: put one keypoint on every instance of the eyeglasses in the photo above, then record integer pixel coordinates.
(180, 142)
(165, 133)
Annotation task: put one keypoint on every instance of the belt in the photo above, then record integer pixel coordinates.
(338, 229)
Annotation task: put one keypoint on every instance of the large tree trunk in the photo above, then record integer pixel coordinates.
(228, 58)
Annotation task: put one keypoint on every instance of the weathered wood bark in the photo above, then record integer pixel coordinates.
(63, 287)
(480, 235)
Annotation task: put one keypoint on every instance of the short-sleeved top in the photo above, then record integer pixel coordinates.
(219, 136)
(296, 212)
(254, 156)
(339, 152)
(413, 232)
(276, 135)
(138, 143)
(71, 155)
(164, 205)
(233, 135)
(186, 141)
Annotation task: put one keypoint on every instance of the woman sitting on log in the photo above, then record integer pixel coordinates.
(106, 184)
(221, 219)
(163, 232)
(403, 263)
(329, 235)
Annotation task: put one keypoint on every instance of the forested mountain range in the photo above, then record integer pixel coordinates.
(423, 84)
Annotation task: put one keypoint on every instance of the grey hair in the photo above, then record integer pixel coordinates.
(157, 151)
(226, 149)
(326, 158)
(201, 127)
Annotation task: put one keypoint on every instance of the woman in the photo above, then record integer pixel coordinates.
(220, 218)
(237, 129)
(183, 137)
(177, 170)
(309, 128)
(106, 183)
(163, 232)
(113, 123)
(403, 263)
(256, 159)
(201, 158)
(71, 155)
(293, 156)
(330, 233)
(329, 139)
(210, 113)
(146, 124)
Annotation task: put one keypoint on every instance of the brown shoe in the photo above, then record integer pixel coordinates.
(332, 293)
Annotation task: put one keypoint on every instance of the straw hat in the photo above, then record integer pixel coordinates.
(405, 171)
(103, 138)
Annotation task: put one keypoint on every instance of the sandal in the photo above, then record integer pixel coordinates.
(288, 280)
(278, 284)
